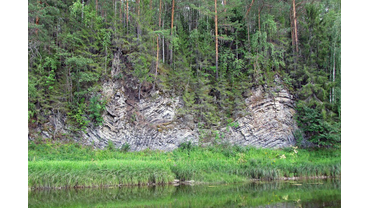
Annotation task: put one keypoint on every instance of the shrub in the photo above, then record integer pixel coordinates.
(298, 135)
(318, 131)
(96, 108)
(186, 146)
(77, 115)
(125, 147)
(111, 146)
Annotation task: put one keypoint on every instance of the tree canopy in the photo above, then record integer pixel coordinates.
(207, 52)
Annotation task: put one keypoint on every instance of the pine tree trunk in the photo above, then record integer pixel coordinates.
(115, 16)
(159, 27)
(292, 30)
(225, 18)
(127, 16)
(138, 21)
(294, 49)
(156, 65)
(102, 10)
(37, 20)
(334, 76)
(259, 16)
(96, 6)
(120, 12)
(250, 6)
(295, 26)
(37, 23)
(248, 35)
(173, 10)
(216, 40)
(163, 44)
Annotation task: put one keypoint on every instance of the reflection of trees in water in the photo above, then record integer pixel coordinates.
(277, 193)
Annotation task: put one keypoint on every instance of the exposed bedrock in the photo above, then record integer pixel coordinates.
(152, 122)
(269, 122)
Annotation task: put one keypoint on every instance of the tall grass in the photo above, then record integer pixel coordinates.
(51, 174)
(70, 165)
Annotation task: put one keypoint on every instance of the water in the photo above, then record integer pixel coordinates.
(308, 193)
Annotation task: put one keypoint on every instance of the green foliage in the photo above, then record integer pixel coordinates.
(298, 135)
(72, 48)
(96, 108)
(111, 146)
(125, 147)
(318, 131)
(32, 96)
(189, 98)
(77, 8)
(186, 146)
(78, 116)
(50, 80)
(231, 124)
(220, 163)
(141, 67)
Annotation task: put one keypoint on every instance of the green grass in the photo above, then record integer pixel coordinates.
(69, 165)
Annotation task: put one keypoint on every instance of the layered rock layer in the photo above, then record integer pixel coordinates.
(152, 122)
(269, 122)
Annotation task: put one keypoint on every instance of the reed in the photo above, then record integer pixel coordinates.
(70, 165)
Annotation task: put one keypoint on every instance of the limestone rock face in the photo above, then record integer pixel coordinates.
(269, 122)
(152, 122)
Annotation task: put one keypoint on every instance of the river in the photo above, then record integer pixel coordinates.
(301, 193)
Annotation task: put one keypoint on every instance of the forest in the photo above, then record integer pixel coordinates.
(210, 53)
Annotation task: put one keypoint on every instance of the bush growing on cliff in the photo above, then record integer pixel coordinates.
(96, 108)
(187, 146)
(111, 146)
(78, 116)
(317, 130)
(125, 147)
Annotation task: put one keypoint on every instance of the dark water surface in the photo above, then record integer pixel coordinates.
(307, 193)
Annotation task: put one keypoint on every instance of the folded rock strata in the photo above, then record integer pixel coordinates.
(152, 123)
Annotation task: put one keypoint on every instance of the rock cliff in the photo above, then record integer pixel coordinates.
(152, 122)
(269, 122)
(149, 123)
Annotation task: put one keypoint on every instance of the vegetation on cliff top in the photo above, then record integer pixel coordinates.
(209, 53)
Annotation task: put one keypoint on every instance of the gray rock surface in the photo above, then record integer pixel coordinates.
(269, 122)
(149, 123)
(152, 123)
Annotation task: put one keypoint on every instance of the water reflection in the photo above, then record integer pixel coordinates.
(309, 193)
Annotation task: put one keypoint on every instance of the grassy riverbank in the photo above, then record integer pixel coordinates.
(70, 165)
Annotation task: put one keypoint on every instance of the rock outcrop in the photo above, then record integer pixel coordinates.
(148, 124)
(269, 122)
(152, 122)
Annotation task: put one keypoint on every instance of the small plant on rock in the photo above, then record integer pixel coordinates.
(125, 147)
(111, 146)
(96, 108)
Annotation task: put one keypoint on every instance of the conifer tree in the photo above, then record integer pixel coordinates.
(216, 39)
(74, 46)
